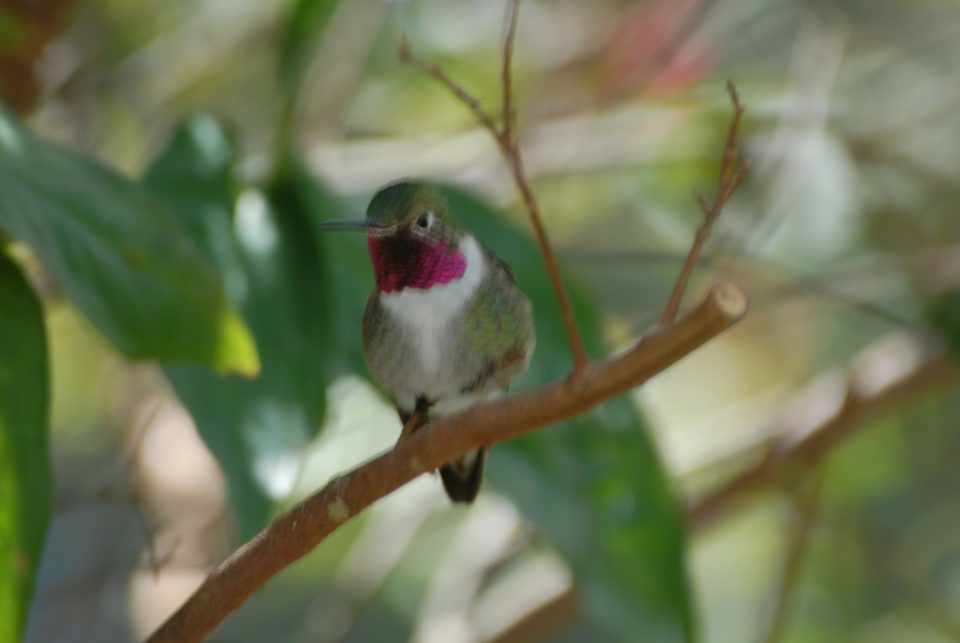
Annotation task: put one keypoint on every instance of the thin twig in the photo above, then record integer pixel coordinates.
(580, 360)
(555, 614)
(405, 54)
(731, 149)
(506, 138)
(805, 507)
(732, 174)
(295, 533)
(507, 133)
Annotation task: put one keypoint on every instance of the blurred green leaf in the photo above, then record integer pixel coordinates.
(595, 483)
(943, 313)
(343, 275)
(118, 255)
(12, 30)
(307, 21)
(277, 274)
(25, 478)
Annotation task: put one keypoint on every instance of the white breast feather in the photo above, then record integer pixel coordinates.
(427, 312)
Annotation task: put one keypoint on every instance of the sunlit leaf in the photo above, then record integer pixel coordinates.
(118, 255)
(25, 478)
(595, 483)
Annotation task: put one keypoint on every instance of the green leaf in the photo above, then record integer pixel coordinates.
(25, 478)
(276, 272)
(308, 18)
(119, 255)
(13, 30)
(594, 483)
(943, 314)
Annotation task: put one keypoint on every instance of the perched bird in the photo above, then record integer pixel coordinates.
(446, 325)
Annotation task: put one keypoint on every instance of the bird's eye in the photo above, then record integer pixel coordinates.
(423, 221)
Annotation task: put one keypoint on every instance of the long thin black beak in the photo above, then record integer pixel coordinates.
(345, 224)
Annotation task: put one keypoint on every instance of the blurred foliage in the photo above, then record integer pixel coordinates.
(26, 28)
(118, 255)
(278, 275)
(305, 26)
(845, 233)
(25, 478)
(943, 313)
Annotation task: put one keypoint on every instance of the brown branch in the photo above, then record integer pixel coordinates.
(557, 612)
(732, 175)
(884, 379)
(295, 533)
(506, 138)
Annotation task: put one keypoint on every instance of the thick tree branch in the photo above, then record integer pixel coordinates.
(886, 376)
(732, 175)
(506, 137)
(298, 531)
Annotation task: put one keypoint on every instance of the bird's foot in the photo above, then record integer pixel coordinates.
(416, 419)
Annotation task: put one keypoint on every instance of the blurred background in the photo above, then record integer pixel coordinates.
(833, 407)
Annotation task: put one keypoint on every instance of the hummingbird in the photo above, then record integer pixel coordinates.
(446, 325)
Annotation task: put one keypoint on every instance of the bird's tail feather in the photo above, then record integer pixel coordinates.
(462, 478)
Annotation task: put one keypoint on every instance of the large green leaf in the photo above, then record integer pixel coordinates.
(277, 273)
(25, 477)
(118, 255)
(594, 483)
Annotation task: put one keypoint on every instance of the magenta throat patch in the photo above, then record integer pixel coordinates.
(401, 261)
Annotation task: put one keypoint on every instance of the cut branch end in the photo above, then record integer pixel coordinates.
(730, 299)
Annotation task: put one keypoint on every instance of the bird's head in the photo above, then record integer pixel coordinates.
(412, 236)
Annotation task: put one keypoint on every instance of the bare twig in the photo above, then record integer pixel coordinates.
(550, 260)
(551, 616)
(732, 174)
(805, 507)
(405, 55)
(298, 531)
(731, 150)
(506, 138)
(905, 373)
(508, 116)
